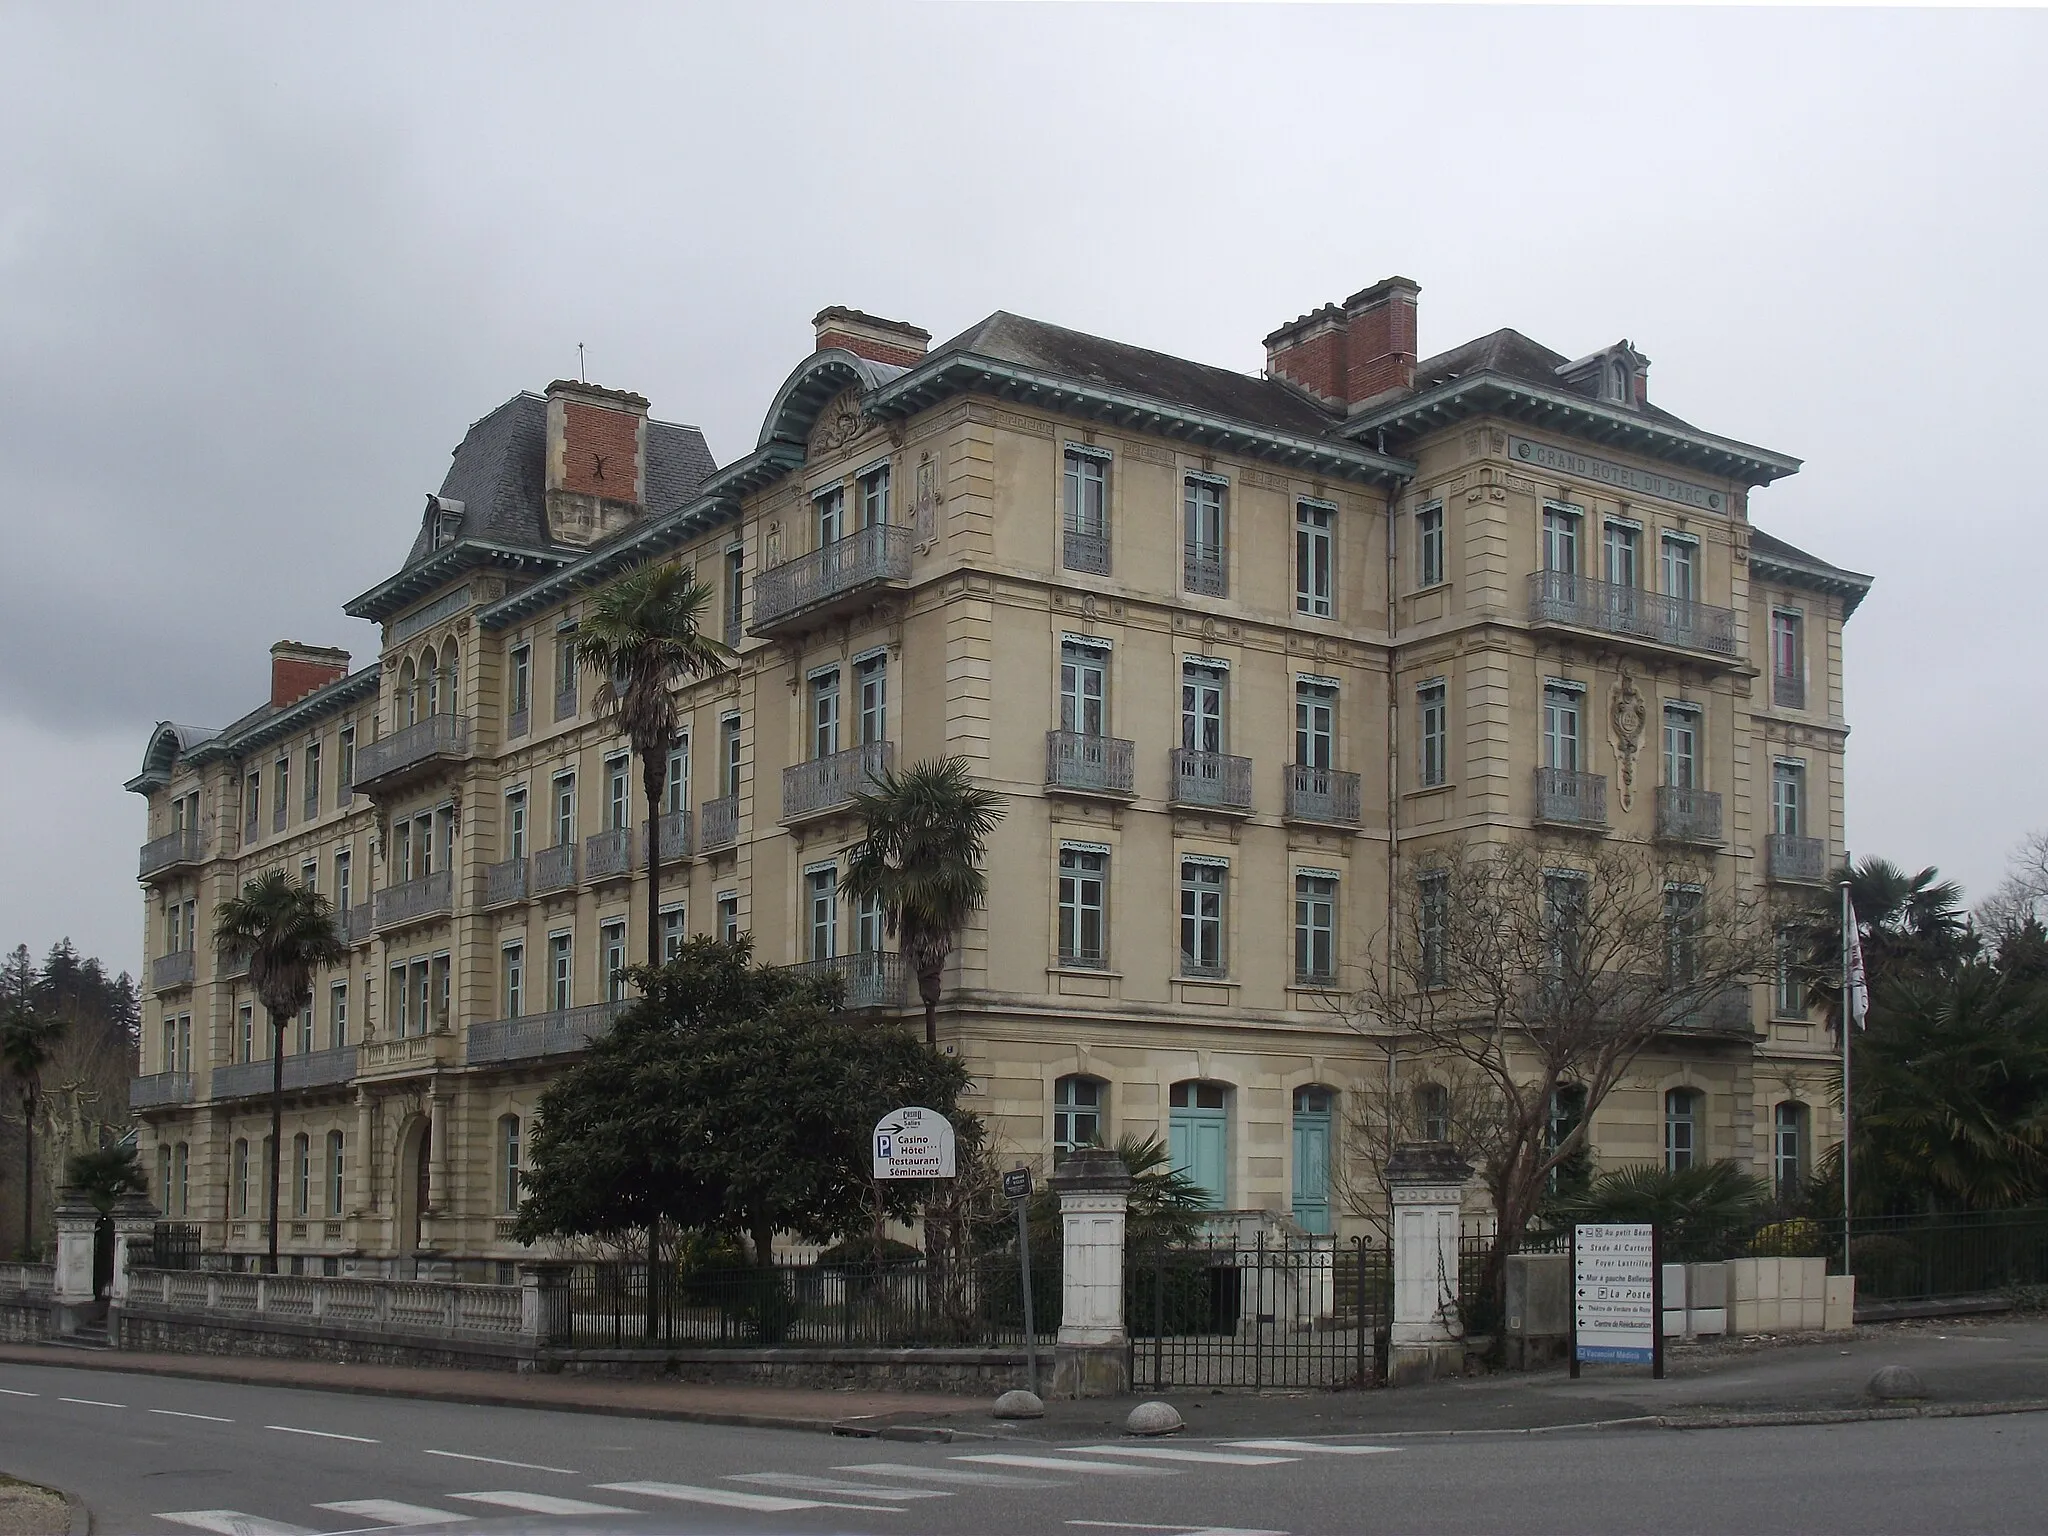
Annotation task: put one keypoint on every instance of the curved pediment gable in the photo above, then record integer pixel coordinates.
(168, 743)
(833, 378)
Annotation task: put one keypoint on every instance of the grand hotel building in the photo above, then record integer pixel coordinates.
(1235, 648)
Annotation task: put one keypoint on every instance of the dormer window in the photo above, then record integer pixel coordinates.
(1619, 382)
(444, 522)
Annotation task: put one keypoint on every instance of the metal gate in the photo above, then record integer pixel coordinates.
(1303, 1313)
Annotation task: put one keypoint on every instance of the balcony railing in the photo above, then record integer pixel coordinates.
(565, 701)
(1688, 815)
(554, 869)
(1796, 860)
(234, 964)
(1322, 794)
(826, 783)
(173, 970)
(277, 821)
(437, 736)
(518, 723)
(1211, 780)
(1085, 552)
(559, 1033)
(1727, 1012)
(170, 851)
(1089, 765)
(1563, 597)
(1568, 799)
(429, 896)
(357, 923)
(505, 883)
(875, 554)
(675, 836)
(1204, 575)
(1788, 692)
(160, 1090)
(721, 822)
(874, 979)
(308, 1069)
(608, 854)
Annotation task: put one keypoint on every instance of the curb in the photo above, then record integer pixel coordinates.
(1771, 1420)
(81, 1517)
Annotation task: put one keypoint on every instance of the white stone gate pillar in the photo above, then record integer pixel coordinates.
(72, 1297)
(1425, 1183)
(135, 1222)
(1092, 1358)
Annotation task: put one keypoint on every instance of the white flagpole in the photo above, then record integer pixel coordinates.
(1848, 1026)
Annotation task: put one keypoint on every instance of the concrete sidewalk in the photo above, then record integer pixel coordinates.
(1967, 1364)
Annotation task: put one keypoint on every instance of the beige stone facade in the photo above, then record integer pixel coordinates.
(1235, 650)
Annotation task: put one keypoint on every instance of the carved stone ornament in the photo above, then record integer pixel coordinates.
(839, 423)
(1627, 714)
(926, 508)
(774, 543)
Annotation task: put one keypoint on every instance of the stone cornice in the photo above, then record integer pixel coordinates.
(385, 599)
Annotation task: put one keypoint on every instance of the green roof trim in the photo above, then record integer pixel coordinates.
(172, 745)
(443, 566)
(1811, 575)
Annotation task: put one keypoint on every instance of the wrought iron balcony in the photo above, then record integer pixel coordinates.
(1727, 1012)
(1322, 795)
(1204, 575)
(826, 783)
(1795, 860)
(159, 1090)
(429, 896)
(1568, 799)
(607, 855)
(565, 701)
(1788, 692)
(1089, 765)
(416, 749)
(173, 970)
(1688, 815)
(720, 822)
(558, 1033)
(1211, 780)
(1564, 597)
(234, 964)
(174, 850)
(554, 869)
(1085, 552)
(505, 883)
(675, 836)
(826, 580)
(357, 923)
(874, 979)
(518, 723)
(308, 1069)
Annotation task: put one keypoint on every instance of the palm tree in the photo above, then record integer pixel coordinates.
(26, 1042)
(286, 930)
(643, 636)
(921, 860)
(1911, 925)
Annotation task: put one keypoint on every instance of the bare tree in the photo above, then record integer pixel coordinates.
(2023, 894)
(1417, 1096)
(1545, 970)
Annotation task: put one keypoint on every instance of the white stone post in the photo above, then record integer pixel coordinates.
(134, 1226)
(1092, 1358)
(1426, 1182)
(72, 1297)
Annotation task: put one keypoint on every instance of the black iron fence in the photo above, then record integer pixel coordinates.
(917, 1303)
(172, 1245)
(1922, 1257)
(1308, 1313)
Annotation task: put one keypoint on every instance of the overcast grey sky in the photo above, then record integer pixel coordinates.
(261, 265)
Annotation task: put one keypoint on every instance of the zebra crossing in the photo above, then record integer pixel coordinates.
(869, 1487)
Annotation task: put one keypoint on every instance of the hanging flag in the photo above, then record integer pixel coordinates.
(1858, 981)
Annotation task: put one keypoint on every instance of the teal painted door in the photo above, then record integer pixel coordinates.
(1312, 1169)
(1201, 1149)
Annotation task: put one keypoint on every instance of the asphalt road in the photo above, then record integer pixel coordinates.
(156, 1456)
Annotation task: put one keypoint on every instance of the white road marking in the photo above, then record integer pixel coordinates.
(90, 1402)
(729, 1498)
(1179, 1530)
(1315, 1447)
(391, 1512)
(499, 1461)
(1183, 1453)
(13, 1392)
(804, 1484)
(322, 1434)
(172, 1413)
(1060, 1464)
(232, 1522)
(541, 1503)
(916, 1474)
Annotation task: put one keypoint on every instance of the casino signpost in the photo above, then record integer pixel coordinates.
(1617, 1295)
(914, 1143)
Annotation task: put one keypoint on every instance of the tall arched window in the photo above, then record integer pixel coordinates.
(1198, 1129)
(238, 1177)
(1621, 381)
(508, 1162)
(1683, 1112)
(451, 680)
(1077, 1106)
(1314, 1107)
(302, 1174)
(335, 1150)
(1788, 1146)
(163, 1176)
(430, 681)
(1433, 1111)
(181, 1168)
(408, 693)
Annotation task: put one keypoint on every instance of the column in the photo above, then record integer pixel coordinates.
(1092, 1358)
(437, 1159)
(135, 1222)
(73, 1299)
(1426, 1185)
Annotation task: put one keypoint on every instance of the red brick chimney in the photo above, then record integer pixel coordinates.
(296, 670)
(597, 442)
(895, 342)
(1342, 354)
